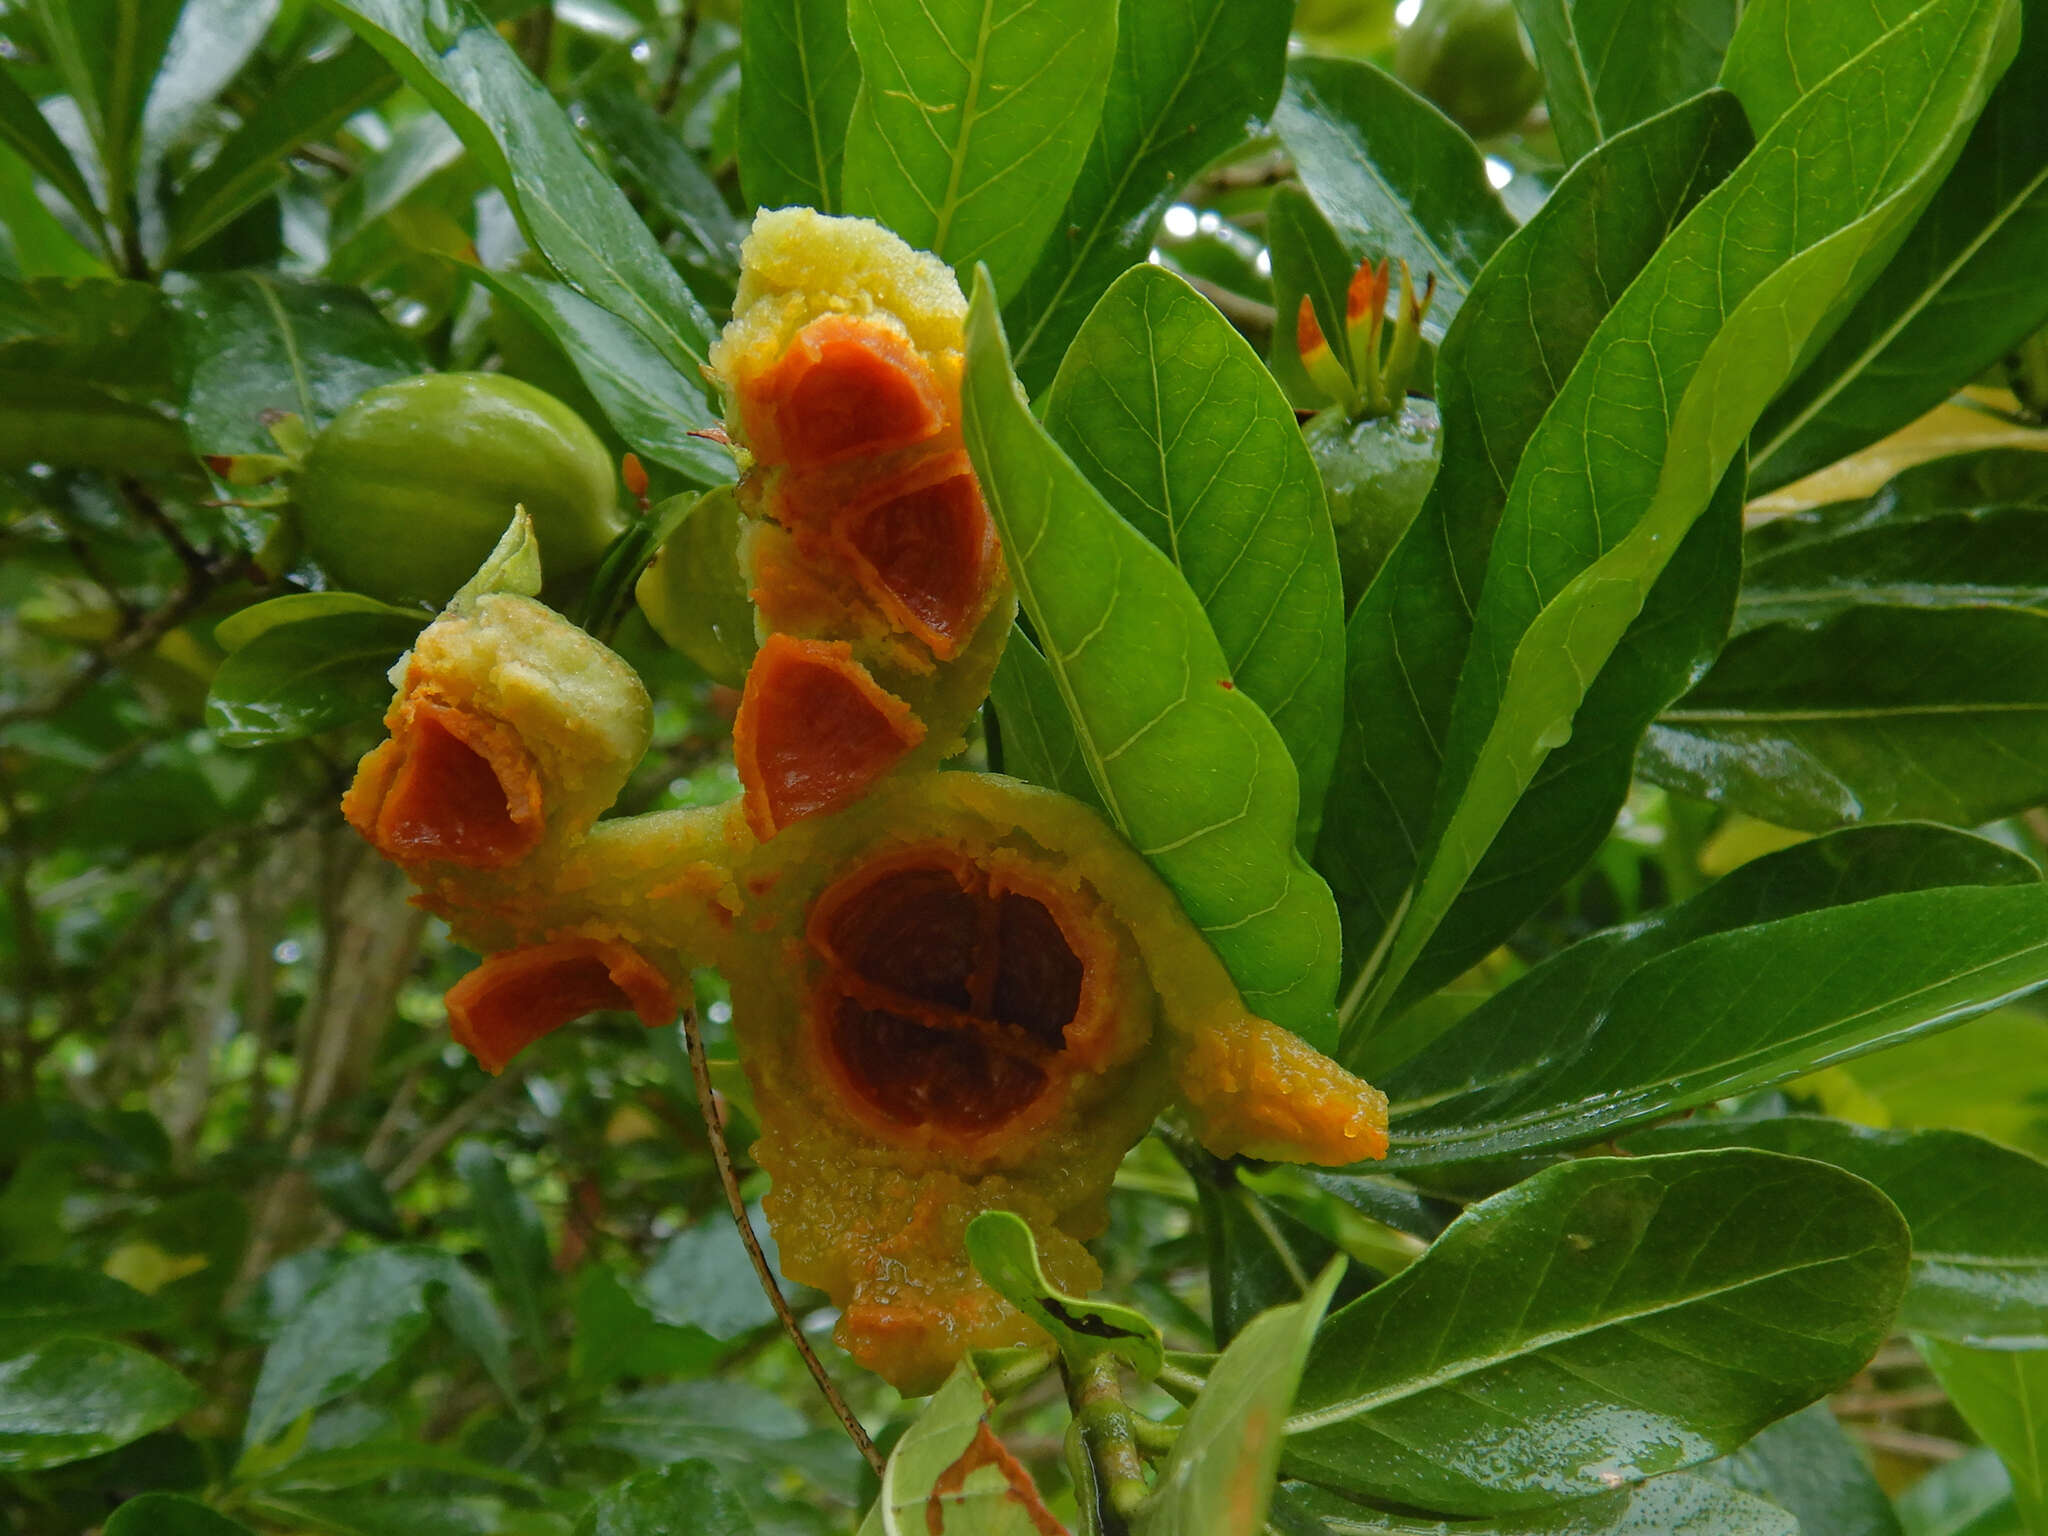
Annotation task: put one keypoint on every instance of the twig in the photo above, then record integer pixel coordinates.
(452, 1125)
(1851, 1404)
(714, 1127)
(1235, 306)
(1905, 1443)
(686, 40)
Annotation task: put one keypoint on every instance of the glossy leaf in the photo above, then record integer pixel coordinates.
(211, 42)
(1967, 530)
(40, 1301)
(1676, 1504)
(39, 243)
(250, 343)
(69, 1398)
(1005, 1255)
(1178, 424)
(1665, 404)
(1733, 1012)
(1978, 1213)
(687, 1499)
(169, 1514)
(1396, 177)
(25, 130)
(1601, 1322)
(1498, 371)
(950, 1476)
(1189, 81)
(107, 53)
(798, 79)
(1875, 714)
(1962, 290)
(1039, 742)
(1218, 1478)
(674, 180)
(1259, 1255)
(2003, 1394)
(1608, 65)
(246, 624)
(310, 101)
(653, 406)
(304, 678)
(1806, 1465)
(704, 1278)
(569, 209)
(1782, 48)
(1189, 768)
(972, 121)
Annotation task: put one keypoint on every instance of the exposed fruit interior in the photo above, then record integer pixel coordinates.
(928, 553)
(462, 790)
(814, 730)
(845, 386)
(518, 995)
(947, 999)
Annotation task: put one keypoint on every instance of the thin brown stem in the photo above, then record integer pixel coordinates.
(714, 1127)
(686, 39)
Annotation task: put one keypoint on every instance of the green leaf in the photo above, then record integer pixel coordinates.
(674, 180)
(70, 1398)
(239, 628)
(1807, 1465)
(1978, 1213)
(616, 1335)
(169, 1514)
(38, 243)
(1608, 65)
(513, 1240)
(2003, 1394)
(653, 406)
(704, 1278)
(351, 1190)
(1676, 1504)
(570, 210)
(1218, 1478)
(304, 678)
(798, 79)
(972, 120)
(385, 1514)
(1175, 420)
(950, 1476)
(1989, 1077)
(24, 128)
(1875, 714)
(1963, 531)
(308, 102)
(1190, 769)
(1309, 260)
(1968, 1497)
(1519, 335)
(687, 1499)
(250, 343)
(1039, 742)
(513, 565)
(1534, 1352)
(1961, 291)
(1656, 411)
(107, 52)
(1783, 48)
(41, 1301)
(1396, 177)
(1187, 83)
(694, 594)
(1003, 1251)
(213, 39)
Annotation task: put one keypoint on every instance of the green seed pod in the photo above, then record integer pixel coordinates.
(1375, 474)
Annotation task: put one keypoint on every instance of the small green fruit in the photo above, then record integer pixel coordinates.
(404, 493)
(1375, 474)
(1471, 59)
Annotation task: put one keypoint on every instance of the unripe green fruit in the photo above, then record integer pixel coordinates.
(1469, 57)
(404, 493)
(1375, 474)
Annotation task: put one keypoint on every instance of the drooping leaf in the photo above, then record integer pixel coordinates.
(1529, 1355)
(1218, 1478)
(1517, 338)
(303, 678)
(1178, 424)
(1978, 1213)
(1005, 1254)
(687, 1499)
(43, 1301)
(69, 1398)
(1039, 742)
(570, 210)
(1189, 82)
(1963, 531)
(309, 101)
(2003, 1394)
(251, 343)
(1608, 65)
(972, 120)
(1396, 177)
(170, 1514)
(1650, 420)
(651, 404)
(798, 78)
(1874, 714)
(1806, 1465)
(1189, 768)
